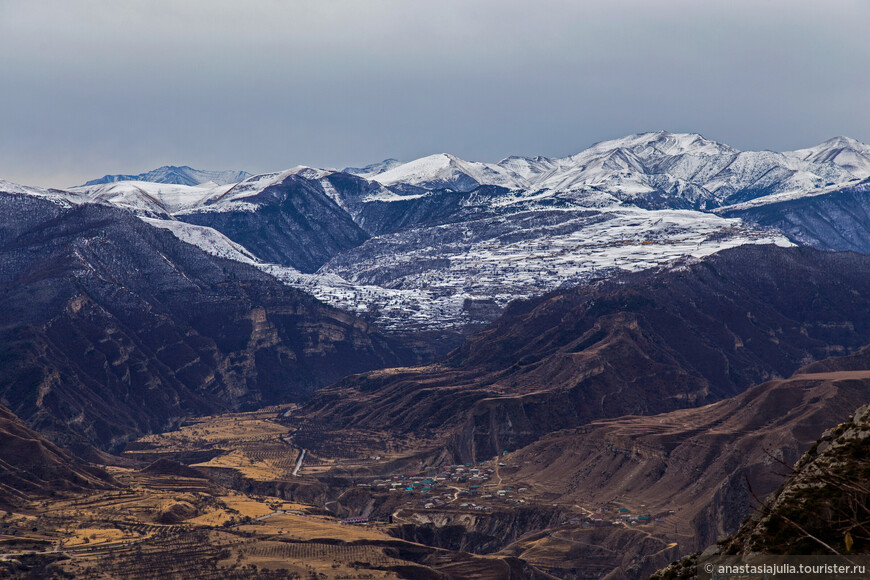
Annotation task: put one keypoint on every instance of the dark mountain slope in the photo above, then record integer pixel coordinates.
(639, 344)
(30, 465)
(837, 220)
(431, 208)
(113, 328)
(293, 222)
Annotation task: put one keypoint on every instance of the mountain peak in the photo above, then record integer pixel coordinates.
(373, 169)
(848, 153)
(177, 175)
(843, 141)
(447, 171)
(664, 143)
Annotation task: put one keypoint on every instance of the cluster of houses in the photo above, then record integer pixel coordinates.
(425, 482)
(469, 487)
(610, 516)
(453, 486)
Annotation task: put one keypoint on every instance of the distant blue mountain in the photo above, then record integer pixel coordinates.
(183, 175)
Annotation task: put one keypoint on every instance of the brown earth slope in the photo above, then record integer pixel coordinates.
(31, 466)
(705, 463)
(697, 472)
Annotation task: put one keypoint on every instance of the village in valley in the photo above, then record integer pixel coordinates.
(479, 487)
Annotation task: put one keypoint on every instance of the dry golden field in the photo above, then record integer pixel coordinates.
(163, 526)
(253, 444)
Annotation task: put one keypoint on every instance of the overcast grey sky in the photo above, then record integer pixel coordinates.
(95, 87)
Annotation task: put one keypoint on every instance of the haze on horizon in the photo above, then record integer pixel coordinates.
(97, 87)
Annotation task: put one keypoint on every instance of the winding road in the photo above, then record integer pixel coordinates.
(298, 464)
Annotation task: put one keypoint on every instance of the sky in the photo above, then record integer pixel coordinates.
(96, 87)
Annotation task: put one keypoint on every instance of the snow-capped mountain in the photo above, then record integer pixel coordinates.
(648, 169)
(445, 171)
(147, 198)
(653, 170)
(183, 175)
(441, 242)
(845, 152)
(373, 169)
(658, 170)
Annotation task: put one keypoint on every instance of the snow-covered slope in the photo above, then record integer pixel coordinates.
(59, 196)
(172, 174)
(831, 218)
(445, 171)
(146, 198)
(223, 198)
(467, 270)
(529, 168)
(373, 169)
(208, 239)
(653, 170)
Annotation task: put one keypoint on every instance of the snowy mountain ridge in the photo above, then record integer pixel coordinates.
(655, 170)
(373, 169)
(444, 170)
(442, 243)
(171, 174)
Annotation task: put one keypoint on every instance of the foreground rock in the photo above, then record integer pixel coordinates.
(821, 509)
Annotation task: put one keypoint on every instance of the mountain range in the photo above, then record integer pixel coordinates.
(637, 344)
(452, 242)
(483, 357)
(428, 251)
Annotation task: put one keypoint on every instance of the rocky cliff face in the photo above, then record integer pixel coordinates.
(641, 344)
(821, 508)
(823, 504)
(115, 328)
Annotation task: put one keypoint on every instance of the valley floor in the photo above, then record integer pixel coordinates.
(266, 494)
(250, 504)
